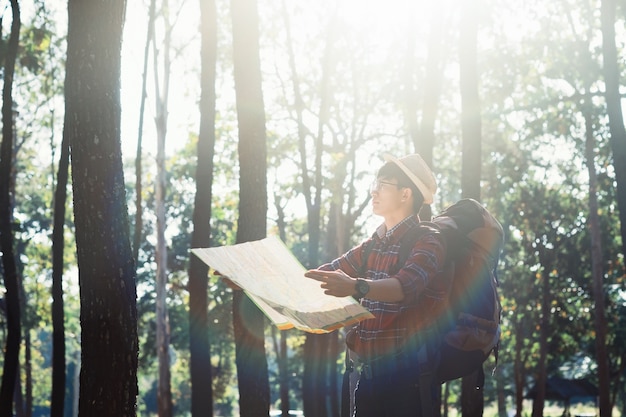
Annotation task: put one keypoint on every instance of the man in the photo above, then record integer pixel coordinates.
(402, 298)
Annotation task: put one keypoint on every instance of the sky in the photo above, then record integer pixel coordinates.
(183, 109)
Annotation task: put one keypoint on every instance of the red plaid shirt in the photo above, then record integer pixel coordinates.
(424, 295)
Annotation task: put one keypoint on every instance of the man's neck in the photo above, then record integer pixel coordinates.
(393, 220)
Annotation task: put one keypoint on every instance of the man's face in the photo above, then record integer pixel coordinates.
(386, 196)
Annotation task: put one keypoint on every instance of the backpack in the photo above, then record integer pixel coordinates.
(469, 331)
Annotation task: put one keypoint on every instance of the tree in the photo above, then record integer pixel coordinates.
(57, 399)
(618, 145)
(423, 134)
(138, 155)
(614, 108)
(12, 297)
(106, 270)
(472, 392)
(248, 321)
(599, 294)
(164, 388)
(200, 360)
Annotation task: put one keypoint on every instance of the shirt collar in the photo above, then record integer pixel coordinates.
(397, 231)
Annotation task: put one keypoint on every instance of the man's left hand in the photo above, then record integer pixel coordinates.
(336, 283)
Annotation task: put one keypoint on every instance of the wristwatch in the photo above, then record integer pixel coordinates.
(361, 287)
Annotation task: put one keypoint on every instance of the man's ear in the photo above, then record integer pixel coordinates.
(407, 193)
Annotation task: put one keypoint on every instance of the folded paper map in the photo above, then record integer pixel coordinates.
(274, 280)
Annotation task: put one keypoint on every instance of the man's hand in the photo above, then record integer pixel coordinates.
(336, 283)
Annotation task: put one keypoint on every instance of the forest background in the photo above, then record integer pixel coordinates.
(233, 120)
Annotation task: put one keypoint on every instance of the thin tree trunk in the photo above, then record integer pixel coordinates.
(518, 369)
(248, 321)
(57, 399)
(315, 369)
(138, 154)
(616, 125)
(281, 347)
(600, 320)
(164, 391)
(618, 146)
(544, 331)
(200, 349)
(470, 102)
(424, 135)
(28, 376)
(471, 398)
(500, 394)
(12, 347)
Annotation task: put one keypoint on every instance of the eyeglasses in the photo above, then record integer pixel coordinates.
(379, 184)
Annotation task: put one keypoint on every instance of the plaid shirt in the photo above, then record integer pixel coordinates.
(424, 295)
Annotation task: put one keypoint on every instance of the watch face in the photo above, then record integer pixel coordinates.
(362, 287)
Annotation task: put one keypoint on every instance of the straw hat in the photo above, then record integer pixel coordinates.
(418, 171)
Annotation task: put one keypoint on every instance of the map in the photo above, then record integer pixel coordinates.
(274, 280)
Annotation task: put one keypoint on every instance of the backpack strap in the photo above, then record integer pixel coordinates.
(367, 249)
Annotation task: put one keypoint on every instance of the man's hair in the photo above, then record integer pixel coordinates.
(390, 170)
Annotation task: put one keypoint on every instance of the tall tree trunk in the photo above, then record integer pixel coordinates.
(57, 400)
(138, 155)
(616, 125)
(600, 320)
(471, 398)
(618, 146)
(315, 369)
(12, 348)
(248, 321)
(470, 101)
(500, 394)
(200, 349)
(281, 347)
(424, 141)
(519, 376)
(544, 331)
(164, 391)
(106, 268)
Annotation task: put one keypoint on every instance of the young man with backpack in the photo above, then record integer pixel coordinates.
(403, 298)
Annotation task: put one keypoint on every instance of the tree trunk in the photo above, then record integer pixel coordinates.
(164, 391)
(616, 123)
(106, 270)
(57, 400)
(600, 320)
(425, 141)
(315, 369)
(471, 398)
(544, 331)
(12, 348)
(248, 321)
(470, 102)
(281, 347)
(518, 369)
(200, 348)
(138, 155)
(500, 394)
